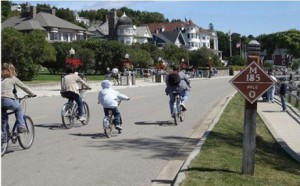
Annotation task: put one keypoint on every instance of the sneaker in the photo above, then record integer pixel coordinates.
(82, 118)
(119, 127)
(183, 107)
(21, 129)
(283, 110)
(173, 115)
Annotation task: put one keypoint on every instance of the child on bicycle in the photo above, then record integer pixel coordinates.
(70, 88)
(109, 100)
(9, 81)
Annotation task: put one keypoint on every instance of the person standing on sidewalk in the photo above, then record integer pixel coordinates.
(282, 91)
(271, 91)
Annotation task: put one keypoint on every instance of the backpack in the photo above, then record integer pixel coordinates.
(174, 79)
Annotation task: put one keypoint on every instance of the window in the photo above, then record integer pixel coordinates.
(188, 36)
(54, 36)
(65, 36)
(80, 37)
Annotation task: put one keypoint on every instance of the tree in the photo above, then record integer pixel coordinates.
(38, 48)
(16, 52)
(5, 10)
(204, 57)
(236, 60)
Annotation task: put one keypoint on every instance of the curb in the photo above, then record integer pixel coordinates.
(181, 173)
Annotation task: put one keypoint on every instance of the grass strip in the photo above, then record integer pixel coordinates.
(220, 159)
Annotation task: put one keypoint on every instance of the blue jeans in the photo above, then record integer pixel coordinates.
(14, 105)
(117, 115)
(185, 96)
(72, 96)
(282, 98)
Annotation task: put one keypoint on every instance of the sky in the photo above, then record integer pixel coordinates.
(243, 17)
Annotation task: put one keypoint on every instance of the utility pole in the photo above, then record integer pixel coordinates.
(230, 44)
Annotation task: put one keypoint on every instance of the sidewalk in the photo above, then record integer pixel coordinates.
(284, 126)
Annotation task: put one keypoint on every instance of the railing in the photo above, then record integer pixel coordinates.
(293, 87)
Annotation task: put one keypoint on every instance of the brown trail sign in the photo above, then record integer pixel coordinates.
(252, 82)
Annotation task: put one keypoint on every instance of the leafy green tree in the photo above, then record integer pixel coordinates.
(236, 60)
(39, 48)
(204, 57)
(296, 64)
(140, 58)
(16, 52)
(5, 10)
(87, 57)
(174, 55)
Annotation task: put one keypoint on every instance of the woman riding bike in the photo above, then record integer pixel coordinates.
(70, 88)
(9, 82)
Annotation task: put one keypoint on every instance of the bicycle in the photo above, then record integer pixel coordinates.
(108, 124)
(178, 113)
(26, 138)
(69, 111)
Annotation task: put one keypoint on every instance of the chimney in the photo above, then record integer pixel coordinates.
(32, 12)
(157, 31)
(53, 11)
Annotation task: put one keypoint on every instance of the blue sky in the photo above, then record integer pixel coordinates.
(244, 17)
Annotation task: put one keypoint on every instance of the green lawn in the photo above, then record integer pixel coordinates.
(220, 160)
(46, 77)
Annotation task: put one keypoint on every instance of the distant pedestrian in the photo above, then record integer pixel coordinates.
(282, 91)
(271, 91)
(115, 75)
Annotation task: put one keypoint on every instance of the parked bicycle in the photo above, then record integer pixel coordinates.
(177, 114)
(108, 124)
(69, 111)
(25, 138)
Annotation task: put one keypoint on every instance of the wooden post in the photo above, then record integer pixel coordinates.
(249, 138)
(250, 119)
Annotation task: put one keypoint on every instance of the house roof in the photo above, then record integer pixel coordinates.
(41, 19)
(29, 25)
(171, 35)
(167, 26)
(102, 28)
(141, 30)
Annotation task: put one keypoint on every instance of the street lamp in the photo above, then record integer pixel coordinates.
(72, 51)
(126, 56)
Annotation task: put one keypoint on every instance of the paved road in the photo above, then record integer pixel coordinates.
(149, 145)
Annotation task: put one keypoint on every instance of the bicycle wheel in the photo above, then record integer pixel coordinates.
(4, 143)
(26, 138)
(181, 116)
(67, 116)
(86, 113)
(108, 130)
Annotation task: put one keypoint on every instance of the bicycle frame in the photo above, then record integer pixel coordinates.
(178, 114)
(69, 111)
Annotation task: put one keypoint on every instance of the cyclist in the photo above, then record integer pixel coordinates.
(181, 84)
(70, 89)
(109, 100)
(9, 81)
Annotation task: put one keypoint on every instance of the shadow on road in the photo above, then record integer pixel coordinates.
(160, 123)
(56, 126)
